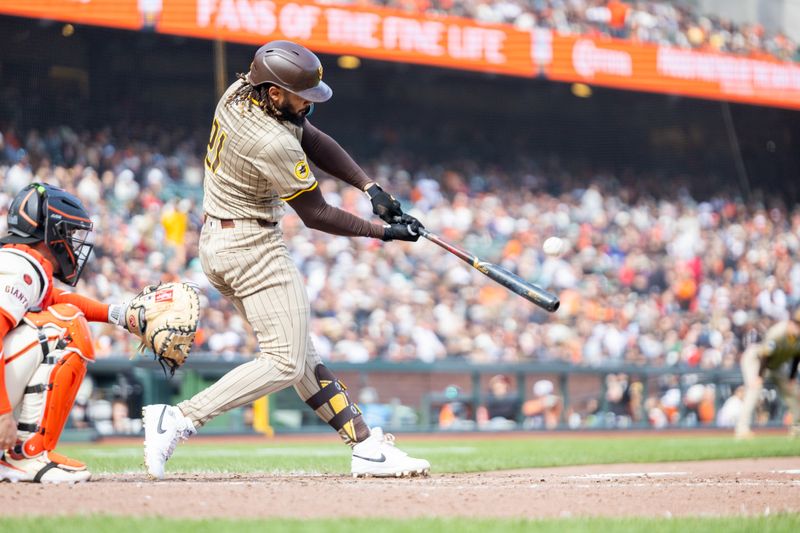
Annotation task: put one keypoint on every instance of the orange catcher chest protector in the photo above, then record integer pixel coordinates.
(47, 355)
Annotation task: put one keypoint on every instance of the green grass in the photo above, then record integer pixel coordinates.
(455, 454)
(776, 523)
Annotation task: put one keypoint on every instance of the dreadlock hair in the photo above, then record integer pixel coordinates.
(254, 95)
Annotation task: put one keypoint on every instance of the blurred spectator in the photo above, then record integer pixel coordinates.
(672, 23)
(665, 410)
(455, 414)
(729, 412)
(375, 414)
(543, 410)
(120, 421)
(175, 219)
(649, 276)
(699, 402)
(501, 405)
(618, 401)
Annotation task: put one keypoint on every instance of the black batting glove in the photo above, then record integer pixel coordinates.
(408, 230)
(383, 204)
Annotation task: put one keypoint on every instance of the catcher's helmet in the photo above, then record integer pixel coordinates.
(291, 67)
(45, 213)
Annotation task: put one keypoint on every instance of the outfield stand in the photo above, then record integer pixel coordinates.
(646, 21)
(646, 279)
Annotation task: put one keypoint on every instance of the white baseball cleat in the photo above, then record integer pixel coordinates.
(9, 472)
(164, 426)
(40, 469)
(377, 456)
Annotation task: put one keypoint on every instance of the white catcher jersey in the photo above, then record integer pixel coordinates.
(23, 283)
(253, 164)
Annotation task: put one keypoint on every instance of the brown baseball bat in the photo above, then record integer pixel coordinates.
(529, 291)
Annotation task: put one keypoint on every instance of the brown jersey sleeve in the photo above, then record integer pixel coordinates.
(328, 155)
(318, 214)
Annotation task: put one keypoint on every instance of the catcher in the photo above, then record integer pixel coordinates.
(781, 345)
(45, 342)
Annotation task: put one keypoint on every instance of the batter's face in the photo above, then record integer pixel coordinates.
(291, 106)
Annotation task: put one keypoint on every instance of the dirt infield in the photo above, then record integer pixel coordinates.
(707, 488)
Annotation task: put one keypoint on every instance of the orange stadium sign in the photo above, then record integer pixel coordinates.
(441, 41)
(370, 32)
(113, 13)
(664, 69)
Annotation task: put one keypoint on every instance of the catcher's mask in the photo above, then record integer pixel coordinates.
(42, 212)
(292, 67)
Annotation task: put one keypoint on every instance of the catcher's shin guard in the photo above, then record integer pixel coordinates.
(51, 391)
(346, 419)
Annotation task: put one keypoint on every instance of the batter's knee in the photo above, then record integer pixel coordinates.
(295, 371)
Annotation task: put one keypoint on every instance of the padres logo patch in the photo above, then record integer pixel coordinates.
(301, 170)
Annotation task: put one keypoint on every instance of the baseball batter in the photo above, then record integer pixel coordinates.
(258, 159)
(45, 342)
(781, 345)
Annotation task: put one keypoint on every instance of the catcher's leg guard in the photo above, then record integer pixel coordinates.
(332, 393)
(51, 392)
(52, 402)
(67, 463)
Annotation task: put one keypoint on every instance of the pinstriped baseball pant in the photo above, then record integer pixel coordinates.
(250, 265)
(751, 364)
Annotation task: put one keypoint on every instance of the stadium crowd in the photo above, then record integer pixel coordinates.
(650, 21)
(663, 282)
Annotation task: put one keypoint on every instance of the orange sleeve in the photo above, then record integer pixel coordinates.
(93, 310)
(6, 325)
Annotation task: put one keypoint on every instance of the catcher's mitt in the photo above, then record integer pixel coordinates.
(165, 318)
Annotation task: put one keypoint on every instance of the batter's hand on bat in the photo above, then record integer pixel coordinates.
(383, 204)
(408, 230)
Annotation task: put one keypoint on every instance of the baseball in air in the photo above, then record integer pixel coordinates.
(553, 246)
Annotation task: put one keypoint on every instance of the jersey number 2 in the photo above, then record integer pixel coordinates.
(215, 145)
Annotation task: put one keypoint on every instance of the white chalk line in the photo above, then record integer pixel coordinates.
(267, 452)
(687, 484)
(444, 484)
(627, 474)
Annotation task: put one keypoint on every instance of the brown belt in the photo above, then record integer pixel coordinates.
(229, 223)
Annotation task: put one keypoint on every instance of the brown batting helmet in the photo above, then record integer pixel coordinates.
(292, 67)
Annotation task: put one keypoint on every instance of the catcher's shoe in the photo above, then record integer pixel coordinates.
(39, 469)
(377, 456)
(9, 472)
(67, 463)
(164, 426)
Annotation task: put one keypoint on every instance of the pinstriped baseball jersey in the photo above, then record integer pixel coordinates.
(253, 163)
(781, 343)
